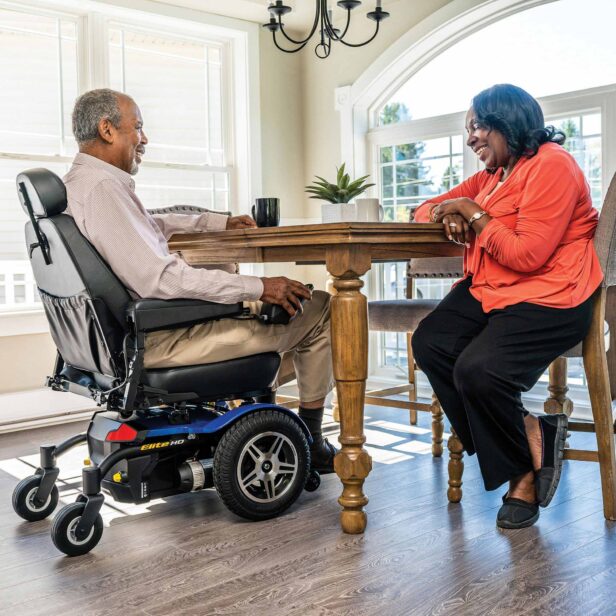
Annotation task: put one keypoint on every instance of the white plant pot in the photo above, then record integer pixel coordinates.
(338, 212)
(349, 212)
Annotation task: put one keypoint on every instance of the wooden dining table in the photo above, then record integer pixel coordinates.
(347, 250)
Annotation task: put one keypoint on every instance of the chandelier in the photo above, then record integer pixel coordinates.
(322, 22)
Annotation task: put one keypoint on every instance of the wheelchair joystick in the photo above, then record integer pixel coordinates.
(273, 314)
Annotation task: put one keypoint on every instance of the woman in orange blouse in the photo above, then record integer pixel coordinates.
(530, 270)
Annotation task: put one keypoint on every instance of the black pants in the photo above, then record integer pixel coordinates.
(479, 364)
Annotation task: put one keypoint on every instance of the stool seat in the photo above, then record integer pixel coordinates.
(399, 315)
(576, 351)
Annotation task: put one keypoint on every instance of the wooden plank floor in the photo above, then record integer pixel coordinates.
(419, 555)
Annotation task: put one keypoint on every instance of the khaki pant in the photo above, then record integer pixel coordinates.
(304, 343)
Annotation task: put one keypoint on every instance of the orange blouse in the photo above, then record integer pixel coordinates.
(538, 247)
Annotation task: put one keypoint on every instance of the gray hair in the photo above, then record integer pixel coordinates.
(90, 109)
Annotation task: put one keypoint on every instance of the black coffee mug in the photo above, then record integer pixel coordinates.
(266, 211)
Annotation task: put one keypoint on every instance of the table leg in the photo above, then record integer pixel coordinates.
(349, 315)
(329, 287)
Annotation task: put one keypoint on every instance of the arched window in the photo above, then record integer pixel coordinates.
(557, 47)
(549, 50)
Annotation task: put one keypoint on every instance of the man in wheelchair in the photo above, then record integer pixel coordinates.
(163, 345)
(108, 128)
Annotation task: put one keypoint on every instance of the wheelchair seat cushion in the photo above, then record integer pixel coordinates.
(229, 379)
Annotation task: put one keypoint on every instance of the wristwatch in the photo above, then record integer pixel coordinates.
(475, 217)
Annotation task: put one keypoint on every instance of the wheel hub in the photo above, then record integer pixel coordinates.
(71, 533)
(267, 466)
(31, 503)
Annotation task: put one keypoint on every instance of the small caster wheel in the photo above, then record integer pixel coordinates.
(313, 481)
(63, 531)
(23, 499)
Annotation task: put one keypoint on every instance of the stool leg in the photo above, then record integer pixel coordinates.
(557, 401)
(595, 366)
(412, 383)
(455, 468)
(438, 427)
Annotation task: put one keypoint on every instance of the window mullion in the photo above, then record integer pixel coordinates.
(123, 57)
(60, 87)
(98, 52)
(470, 162)
(208, 137)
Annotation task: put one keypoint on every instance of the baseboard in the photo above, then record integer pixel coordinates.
(23, 410)
(40, 422)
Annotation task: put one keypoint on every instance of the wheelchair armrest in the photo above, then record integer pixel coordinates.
(185, 209)
(190, 209)
(149, 315)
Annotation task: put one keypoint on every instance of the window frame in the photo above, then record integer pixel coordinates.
(240, 96)
(229, 147)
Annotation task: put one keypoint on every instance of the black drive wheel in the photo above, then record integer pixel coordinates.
(23, 499)
(261, 464)
(63, 531)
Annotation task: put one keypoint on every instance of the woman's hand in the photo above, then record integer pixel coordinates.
(456, 229)
(462, 207)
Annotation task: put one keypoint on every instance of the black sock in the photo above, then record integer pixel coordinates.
(313, 418)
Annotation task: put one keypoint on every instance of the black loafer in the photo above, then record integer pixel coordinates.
(516, 513)
(322, 454)
(553, 437)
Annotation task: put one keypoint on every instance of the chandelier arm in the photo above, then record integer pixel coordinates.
(312, 31)
(288, 50)
(330, 28)
(322, 7)
(361, 44)
(348, 23)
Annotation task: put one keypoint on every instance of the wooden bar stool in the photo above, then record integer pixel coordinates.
(601, 380)
(403, 316)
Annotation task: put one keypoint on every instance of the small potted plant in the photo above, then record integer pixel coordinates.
(337, 195)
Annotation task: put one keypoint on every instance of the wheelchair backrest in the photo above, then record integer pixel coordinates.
(84, 301)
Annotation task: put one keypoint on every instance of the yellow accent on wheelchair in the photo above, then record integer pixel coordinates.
(156, 445)
(87, 462)
(117, 477)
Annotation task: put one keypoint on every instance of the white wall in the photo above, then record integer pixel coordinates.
(282, 139)
(25, 361)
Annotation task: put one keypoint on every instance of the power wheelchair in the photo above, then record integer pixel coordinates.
(160, 431)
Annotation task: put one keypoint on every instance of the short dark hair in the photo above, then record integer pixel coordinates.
(517, 115)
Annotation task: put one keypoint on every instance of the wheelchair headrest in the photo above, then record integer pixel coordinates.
(45, 190)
